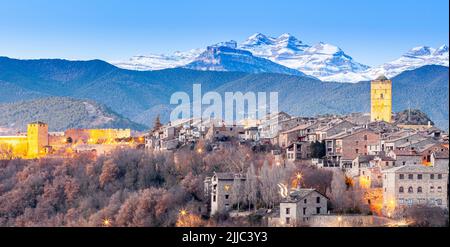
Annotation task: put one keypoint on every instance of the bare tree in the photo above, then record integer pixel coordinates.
(237, 192)
(251, 187)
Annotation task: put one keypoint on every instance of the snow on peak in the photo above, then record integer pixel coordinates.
(413, 59)
(258, 39)
(323, 48)
(420, 51)
(322, 60)
(230, 44)
(441, 50)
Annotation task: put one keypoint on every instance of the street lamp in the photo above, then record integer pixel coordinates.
(183, 212)
(106, 222)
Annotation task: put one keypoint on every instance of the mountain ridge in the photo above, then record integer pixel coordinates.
(141, 95)
(322, 60)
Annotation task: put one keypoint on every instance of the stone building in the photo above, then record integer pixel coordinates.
(343, 148)
(298, 151)
(406, 157)
(410, 185)
(300, 205)
(367, 168)
(381, 99)
(222, 190)
(439, 159)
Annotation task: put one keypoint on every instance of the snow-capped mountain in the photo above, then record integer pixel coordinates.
(413, 59)
(287, 53)
(226, 57)
(320, 60)
(159, 61)
(271, 48)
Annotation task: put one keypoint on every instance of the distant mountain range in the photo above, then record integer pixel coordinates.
(226, 57)
(141, 95)
(324, 61)
(62, 113)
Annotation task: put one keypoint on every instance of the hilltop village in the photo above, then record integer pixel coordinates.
(390, 166)
(397, 165)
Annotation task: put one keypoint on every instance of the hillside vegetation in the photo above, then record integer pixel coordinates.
(62, 113)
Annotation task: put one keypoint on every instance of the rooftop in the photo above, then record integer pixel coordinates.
(381, 78)
(415, 168)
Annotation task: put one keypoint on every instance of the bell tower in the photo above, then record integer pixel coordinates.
(381, 99)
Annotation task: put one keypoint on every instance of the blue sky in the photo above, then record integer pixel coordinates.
(372, 32)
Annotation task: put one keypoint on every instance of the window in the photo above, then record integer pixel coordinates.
(288, 210)
(439, 176)
(401, 201)
(410, 176)
(401, 189)
(431, 176)
(432, 201)
(410, 202)
(304, 211)
(365, 137)
(305, 201)
(419, 189)
(288, 220)
(439, 201)
(439, 189)
(432, 189)
(356, 150)
(318, 210)
(318, 199)
(214, 198)
(410, 190)
(402, 176)
(419, 176)
(403, 162)
(227, 196)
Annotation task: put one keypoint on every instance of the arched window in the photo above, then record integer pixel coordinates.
(419, 190)
(401, 190)
(410, 190)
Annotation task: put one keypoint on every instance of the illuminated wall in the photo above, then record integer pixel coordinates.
(13, 147)
(381, 100)
(97, 136)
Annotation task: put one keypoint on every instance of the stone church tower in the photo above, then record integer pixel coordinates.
(381, 99)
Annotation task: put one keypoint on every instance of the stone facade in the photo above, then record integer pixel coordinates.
(301, 205)
(381, 100)
(343, 148)
(222, 190)
(406, 186)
